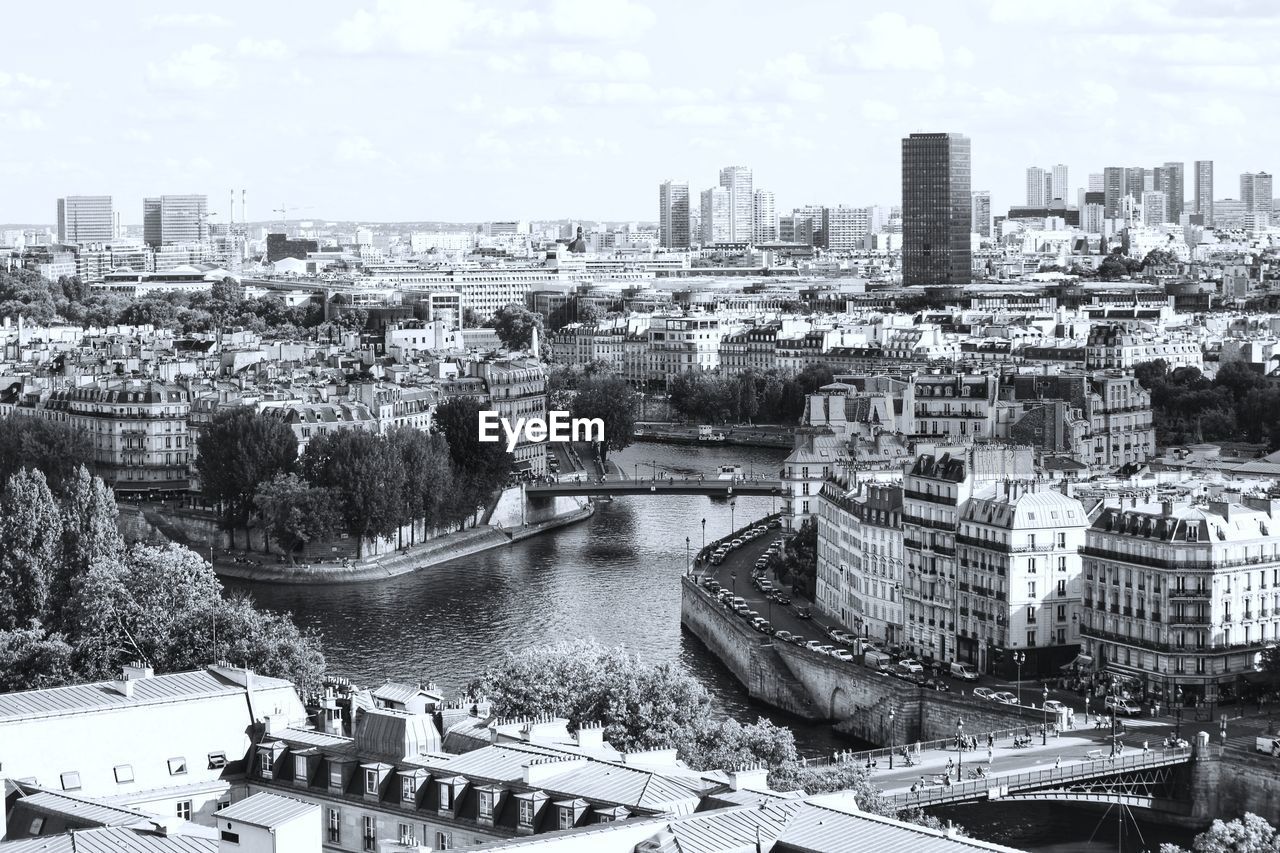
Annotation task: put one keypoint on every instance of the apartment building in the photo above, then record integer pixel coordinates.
(137, 429)
(676, 345)
(310, 420)
(1180, 600)
(1019, 584)
(1115, 406)
(1115, 348)
(951, 407)
(517, 388)
(814, 458)
(753, 349)
(859, 575)
(583, 344)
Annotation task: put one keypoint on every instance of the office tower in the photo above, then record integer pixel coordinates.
(937, 209)
(982, 213)
(1113, 191)
(717, 222)
(85, 219)
(1039, 187)
(1255, 192)
(844, 227)
(1059, 190)
(1154, 208)
(737, 181)
(766, 221)
(812, 215)
(1204, 192)
(673, 214)
(1169, 179)
(175, 219)
(1096, 182)
(151, 221)
(1092, 210)
(1135, 182)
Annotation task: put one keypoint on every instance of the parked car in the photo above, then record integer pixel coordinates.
(842, 637)
(775, 523)
(825, 649)
(803, 613)
(936, 684)
(798, 640)
(964, 671)
(784, 636)
(911, 665)
(1004, 697)
(1055, 706)
(741, 609)
(812, 645)
(781, 599)
(762, 562)
(983, 692)
(1122, 706)
(842, 654)
(712, 586)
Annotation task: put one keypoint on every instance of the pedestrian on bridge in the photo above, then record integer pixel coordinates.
(1057, 762)
(991, 755)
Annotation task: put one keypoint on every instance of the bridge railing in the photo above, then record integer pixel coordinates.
(913, 749)
(1091, 769)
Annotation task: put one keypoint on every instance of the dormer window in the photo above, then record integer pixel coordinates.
(371, 781)
(300, 768)
(408, 790)
(485, 805)
(217, 760)
(177, 766)
(70, 781)
(124, 773)
(527, 812)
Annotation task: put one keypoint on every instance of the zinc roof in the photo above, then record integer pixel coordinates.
(267, 810)
(818, 829)
(112, 840)
(82, 810)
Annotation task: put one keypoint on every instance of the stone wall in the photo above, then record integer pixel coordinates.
(1227, 787)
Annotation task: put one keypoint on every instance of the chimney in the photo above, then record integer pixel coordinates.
(590, 736)
(539, 770)
(750, 777)
(1166, 508)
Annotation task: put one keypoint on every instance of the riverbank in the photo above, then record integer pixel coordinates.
(425, 555)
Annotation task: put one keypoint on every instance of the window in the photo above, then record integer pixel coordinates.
(566, 817)
(1031, 638)
(231, 837)
(335, 826)
(124, 773)
(70, 781)
(1062, 543)
(184, 809)
(1031, 615)
(1062, 588)
(300, 768)
(446, 796)
(1031, 589)
(370, 832)
(444, 840)
(217, 760)
(406, 835)
(526, 812)
(177, 766)
(486, 805)
(371, 781)
(37, 824)
(221, 804)
(267, 760)
(408, 791)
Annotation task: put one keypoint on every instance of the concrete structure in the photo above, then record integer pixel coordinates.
(1059, 183)
(1182, 597)
(175, 219)
(1256, 192)
(765, 218)
(517, 388)
(809, 464)
(737, 181)
(937, 209)
(859, 574)
(953, 408)
(717, 217)
(1203, 203)
(1039, 187)
(1154, 208)
(85, 219)
(1113, 189)
(982, 213)
(673, 214)
(843, 228)
(269, 823)
(678, 345)
(1170, 180)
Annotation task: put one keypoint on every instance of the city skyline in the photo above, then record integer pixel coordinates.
(557, 94)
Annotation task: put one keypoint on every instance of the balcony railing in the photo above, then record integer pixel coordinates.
(1178, 565)
(927, 522)
(925, 496)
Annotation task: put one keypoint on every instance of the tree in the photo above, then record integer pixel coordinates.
(238, 451)
(1248, 834)
(1159, 258)
(30, 548)
(365, 478)
(727, 744)
(56, 449)
(89, 532)
(1148, 373)
(429, 489)
(479, 468)
(32, 659)
(613, 402)
(793, 776)
(515, 324)
(294, 512)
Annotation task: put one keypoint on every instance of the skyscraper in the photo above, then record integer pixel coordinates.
(1255, 192)
(1135, 182)
(937, 209)
(175, 219)
(766, 220)
(1155, 208)
(1204, 191)
(1113, 191)
(982, 213)
(673, 214)
(717, 222)
(742, 202)
(1169, 179)
(1039, 187)
(85, 219)
(1059, 190)
(1096, 184)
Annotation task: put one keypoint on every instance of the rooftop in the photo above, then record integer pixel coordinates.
(267, 810)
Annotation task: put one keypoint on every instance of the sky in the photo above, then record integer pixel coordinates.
(471, 110)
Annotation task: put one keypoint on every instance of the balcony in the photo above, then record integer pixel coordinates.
(1152, 645)
(925, 522)
(1115, 608)
(1189, 594)
(1189, 621)
(1176, 565)
(924, 496)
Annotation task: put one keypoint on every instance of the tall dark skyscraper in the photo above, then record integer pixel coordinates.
(1113, 191)
(937, 209)
(1169, 180)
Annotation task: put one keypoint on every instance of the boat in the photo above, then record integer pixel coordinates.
(729, 472)
(705, 433)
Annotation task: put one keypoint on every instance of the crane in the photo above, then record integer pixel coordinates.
(284, 211)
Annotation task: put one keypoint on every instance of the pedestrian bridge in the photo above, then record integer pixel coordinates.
(669, 486)
(1157, 780)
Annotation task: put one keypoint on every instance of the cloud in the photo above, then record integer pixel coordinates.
(624, 65)
(634, 93)
(516, 116)
(356, 149)
(507, 63)
(20, 88)
(198, 67)
(189, 20)
(873, 110)
(600, 20)
(272, 49)
(786, 78)
(891, 43)
(412, 26)
(22, 120)
(698, 115)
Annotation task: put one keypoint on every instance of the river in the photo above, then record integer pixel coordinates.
(614, 578)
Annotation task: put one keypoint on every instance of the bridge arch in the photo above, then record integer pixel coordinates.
(841, 706)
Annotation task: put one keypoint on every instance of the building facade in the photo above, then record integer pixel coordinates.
(765, 218)
(673, 214)
(737, 182)
(85, 219)
(717, 217)
(936, 209)
(1203, 204)
(982, 213)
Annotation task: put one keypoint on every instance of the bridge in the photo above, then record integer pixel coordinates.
(1157, 780)
(668, 486)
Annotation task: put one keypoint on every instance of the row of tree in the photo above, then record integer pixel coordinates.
(796, 564)
(352, 480)
(645, 705)
(768, 397)
(76, 604)
(1238, 404)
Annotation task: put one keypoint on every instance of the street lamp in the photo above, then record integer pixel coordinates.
(891, 740)
(704, 535)
(732, 524)
(959, 748)
(688, 565)
(1177, 726)
(1019, 658)
(773, 502)
(1044, 740)
(1115, 700)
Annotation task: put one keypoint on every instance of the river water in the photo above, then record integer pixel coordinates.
(614, 578)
